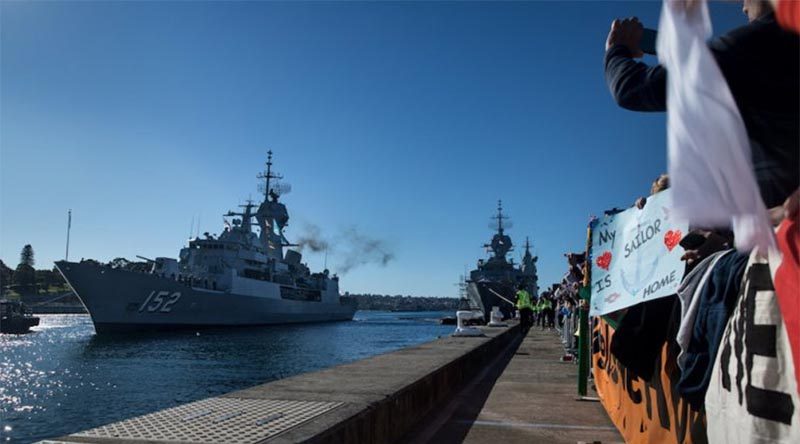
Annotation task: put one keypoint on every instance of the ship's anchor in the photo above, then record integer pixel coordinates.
(639, 282)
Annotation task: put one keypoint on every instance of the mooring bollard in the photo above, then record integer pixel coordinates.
(496, 318)
(463, 330)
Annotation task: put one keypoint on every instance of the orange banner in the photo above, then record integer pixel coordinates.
(643, 411)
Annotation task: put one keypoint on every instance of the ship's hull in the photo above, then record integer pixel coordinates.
(484, 296)
(120, 301)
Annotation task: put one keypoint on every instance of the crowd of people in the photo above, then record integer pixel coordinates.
(556, 308)
(731, 304)
(710, 327)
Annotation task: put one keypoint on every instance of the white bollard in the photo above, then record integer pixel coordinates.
(461, 329)
(496, 318)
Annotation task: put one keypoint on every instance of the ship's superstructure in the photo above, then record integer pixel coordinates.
(495, 280)
(237, 278)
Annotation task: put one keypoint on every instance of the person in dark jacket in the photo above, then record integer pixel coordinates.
(761, 64)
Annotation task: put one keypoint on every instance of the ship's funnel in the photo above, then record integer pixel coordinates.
(293, 257)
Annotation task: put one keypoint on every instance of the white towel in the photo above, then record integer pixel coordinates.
(710, 166)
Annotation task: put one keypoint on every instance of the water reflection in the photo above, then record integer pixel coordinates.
(63, 378)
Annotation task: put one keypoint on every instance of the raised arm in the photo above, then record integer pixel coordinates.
(634, 85)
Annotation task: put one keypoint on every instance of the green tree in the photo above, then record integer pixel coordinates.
(25, 276)
(49, 278)
(56, 279)
(119, 262)
(26, 256)
(6, 276)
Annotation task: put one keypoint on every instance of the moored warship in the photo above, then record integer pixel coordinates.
(495, 280)
(239, 278)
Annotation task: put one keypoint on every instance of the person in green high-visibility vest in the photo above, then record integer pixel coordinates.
(537, 312)
(525, 308)
(546, 312)
(538, 309)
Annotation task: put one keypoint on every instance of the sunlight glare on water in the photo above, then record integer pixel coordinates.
(62, 378)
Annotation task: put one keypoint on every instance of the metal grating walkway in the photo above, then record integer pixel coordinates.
(216, 420)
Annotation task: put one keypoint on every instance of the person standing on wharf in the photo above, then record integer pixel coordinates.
(525, 309)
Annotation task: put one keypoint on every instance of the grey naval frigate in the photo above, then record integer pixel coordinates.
(495, 280)
(239, 278)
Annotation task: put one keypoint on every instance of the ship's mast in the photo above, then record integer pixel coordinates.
(268, 176)
(500, 217)
(500, 244)
(462, 286)
(247, 215)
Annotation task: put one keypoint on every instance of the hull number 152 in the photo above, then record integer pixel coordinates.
(160, 301)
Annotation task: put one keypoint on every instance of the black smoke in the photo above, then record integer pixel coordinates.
(348, 250)
(362, 250)
(312, 239)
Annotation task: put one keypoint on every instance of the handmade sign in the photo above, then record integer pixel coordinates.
(644, 411)
(636, 256)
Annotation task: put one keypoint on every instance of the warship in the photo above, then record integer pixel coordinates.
(239, 278)
(495, 280)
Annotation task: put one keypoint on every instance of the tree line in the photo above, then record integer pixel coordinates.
(25, 278)
(403, 303)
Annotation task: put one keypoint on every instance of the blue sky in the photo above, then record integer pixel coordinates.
(405, 120)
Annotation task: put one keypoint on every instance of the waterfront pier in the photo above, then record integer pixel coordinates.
(448, 390)
(378, 399)
(528, 397)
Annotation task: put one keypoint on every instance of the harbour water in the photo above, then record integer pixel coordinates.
(62, 378)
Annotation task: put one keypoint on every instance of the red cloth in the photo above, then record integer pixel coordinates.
(788, 14)
(787, 285)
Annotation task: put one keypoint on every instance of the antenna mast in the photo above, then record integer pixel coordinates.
(268, 176)
(500, 216)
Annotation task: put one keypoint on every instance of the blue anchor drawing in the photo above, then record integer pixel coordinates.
(639, 281)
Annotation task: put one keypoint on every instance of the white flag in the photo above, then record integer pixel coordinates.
(710, 165)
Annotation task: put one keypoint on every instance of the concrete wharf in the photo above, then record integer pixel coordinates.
(529, 396)
(479, 390)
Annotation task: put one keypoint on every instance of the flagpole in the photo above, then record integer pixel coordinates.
(69, 225)
(584, 353)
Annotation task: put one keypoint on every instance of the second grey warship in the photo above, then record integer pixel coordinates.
(238, 278)
(494, 282)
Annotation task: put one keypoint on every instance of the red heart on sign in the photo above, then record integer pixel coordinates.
(604, 260)
(672, 238)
